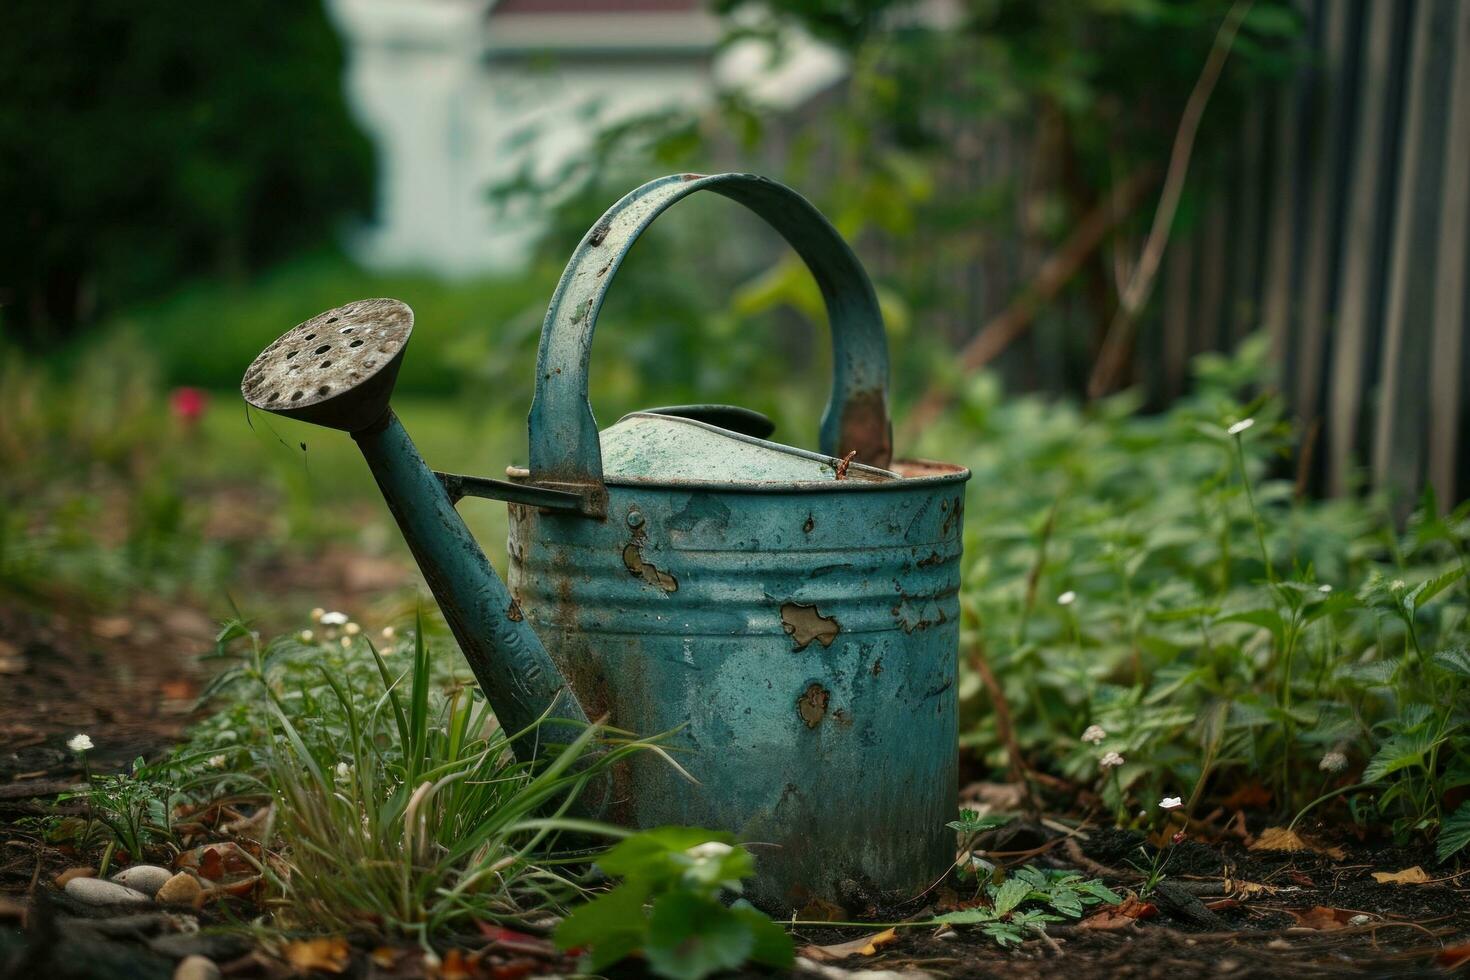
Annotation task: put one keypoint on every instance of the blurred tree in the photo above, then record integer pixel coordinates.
(143, 142)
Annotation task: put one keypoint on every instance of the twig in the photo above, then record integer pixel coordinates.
(1058, 269)
(1020, 772)
(1119, 338)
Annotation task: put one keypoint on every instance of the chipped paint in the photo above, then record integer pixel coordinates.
(804, 624)
(918, 613)
(513, 613)
(811, 706)
(647, 571)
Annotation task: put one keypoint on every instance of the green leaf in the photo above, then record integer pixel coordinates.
(1268, 619)
(1454, 833)
(643, 852)
(1098, 890)
(773, 947)
(1420, 595)
(690, 937)
(1010, 894)
(606, 924)
(1455, 660)
(966, 917)
(1399, 752)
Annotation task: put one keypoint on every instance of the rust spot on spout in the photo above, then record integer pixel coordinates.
(805, 624)
(513, 612)
(637, 567)
(812, 705)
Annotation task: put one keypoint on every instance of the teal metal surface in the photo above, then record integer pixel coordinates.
(790, 617)
(564, 445)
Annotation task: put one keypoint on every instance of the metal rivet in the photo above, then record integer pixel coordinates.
(635, 518)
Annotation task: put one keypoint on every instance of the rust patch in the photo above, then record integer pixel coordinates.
(955, 513)
(842, 718)
(804, 624)
(877, 667)
(599, 234)
(811, 522)
(935, 558)
(865, 428)
(638, 568)
(812, 705)
(514, 613)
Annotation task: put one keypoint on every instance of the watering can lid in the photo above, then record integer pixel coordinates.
(651, 447)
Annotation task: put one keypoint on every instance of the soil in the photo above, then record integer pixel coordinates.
(128, 678)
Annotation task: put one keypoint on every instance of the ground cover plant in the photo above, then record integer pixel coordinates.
(1161, 582)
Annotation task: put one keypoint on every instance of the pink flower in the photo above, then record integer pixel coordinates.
(188, 404)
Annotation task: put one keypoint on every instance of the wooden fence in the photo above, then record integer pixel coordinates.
(1341, 226)
(1337, 220)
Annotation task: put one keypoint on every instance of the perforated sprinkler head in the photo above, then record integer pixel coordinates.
(336, 369)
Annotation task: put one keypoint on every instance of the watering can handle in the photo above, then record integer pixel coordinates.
(564, 443)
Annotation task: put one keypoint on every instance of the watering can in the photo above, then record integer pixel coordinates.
(791, 616)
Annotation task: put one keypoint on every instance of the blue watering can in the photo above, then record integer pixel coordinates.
(792, 616)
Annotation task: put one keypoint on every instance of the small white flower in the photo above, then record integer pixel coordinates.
(1398, 585)
(1110, 761)
(217, 761)
(317, 614)
(1067, 598)
(79, 743)
(1324, 589)
(1240, 426)
(1094, 734)
(1171, 803)
(389, 632)
(343, 770)
(710, 849)
(332, 619)
(1333, 761)
(346, 642)
(352, 629)
(305, 636)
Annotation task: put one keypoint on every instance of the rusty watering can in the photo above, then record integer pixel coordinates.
(794, 615)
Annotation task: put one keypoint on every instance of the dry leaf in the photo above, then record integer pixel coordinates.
(1251, 796)
(1120, 916)
(1247, 888)
(862, 946)
(1321, 918)
(71, 873)
(328, 954)
(1408, 876)
(1284, 839)
(1454, 957)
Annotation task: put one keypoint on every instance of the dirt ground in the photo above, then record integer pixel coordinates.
(129, 678)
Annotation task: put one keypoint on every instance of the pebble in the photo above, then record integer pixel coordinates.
(196, 968)
(146, 878)
(95, 891)
(181, 889)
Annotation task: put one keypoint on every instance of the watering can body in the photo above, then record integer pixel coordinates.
(798, 639)
(790, 618)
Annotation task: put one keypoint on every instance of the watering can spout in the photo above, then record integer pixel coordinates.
(338, 370)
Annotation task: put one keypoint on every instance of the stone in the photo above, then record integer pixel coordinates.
(182, 889)
(95, 891)
(146, 878)
(218, 946)
(196, 968)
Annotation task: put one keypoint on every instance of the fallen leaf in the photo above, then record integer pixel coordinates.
(1285, 839)
(1122, 915)
(385, 957)
(1454, 957)
(1408, 876)
(112, 627)
(328, 954)
(1251, 796)
(71, 873)
(456, 967)
(862, 946)
(514, 941)
(1247, 888)
(821, 910)
(1321, 918)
